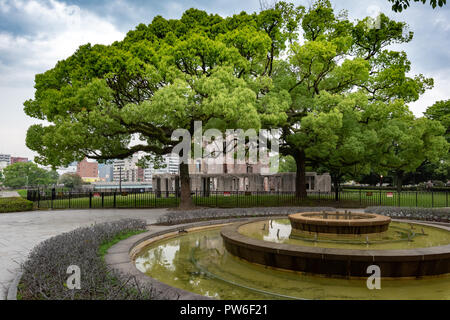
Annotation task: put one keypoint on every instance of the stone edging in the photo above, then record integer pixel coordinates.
(12, 289)
(339, 262)
(119, 257)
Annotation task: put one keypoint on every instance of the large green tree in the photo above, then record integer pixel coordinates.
(440, 111)
(161, 77)
(405, 143)
(339, 57)
(70, 180)
(28, 174)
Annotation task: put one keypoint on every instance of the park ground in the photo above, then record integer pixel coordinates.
(21, 231)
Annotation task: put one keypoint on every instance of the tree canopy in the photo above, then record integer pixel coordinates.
(333, 87)
(161, 77)
(70, 180)
(27, 174)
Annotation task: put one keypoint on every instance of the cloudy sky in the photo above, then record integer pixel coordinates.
(35, 34)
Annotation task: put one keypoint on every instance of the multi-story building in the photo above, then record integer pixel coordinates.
(18, 159)
(127, 169)
(171, 166)
(88, 171)
(5, 158)
(105, 172)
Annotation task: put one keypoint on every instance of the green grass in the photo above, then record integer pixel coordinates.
(103, 249)
(405, 199)
(22, 193)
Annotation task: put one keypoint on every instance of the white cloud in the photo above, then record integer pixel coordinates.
(59, 30)
(439, 92)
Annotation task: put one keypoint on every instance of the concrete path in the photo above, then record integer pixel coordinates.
(20, 232)
(7, 194)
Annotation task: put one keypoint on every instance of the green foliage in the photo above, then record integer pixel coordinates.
(22, 193)
(399, 5)
(338, 92)
(70, 180)
(104, 247)
(406, 143)
(161, 77)
(21, 174)
(15, 204)
(440, 111)
(287, 164)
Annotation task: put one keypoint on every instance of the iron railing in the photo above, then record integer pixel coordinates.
(62, 199)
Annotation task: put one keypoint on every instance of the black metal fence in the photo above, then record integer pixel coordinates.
(63, 199)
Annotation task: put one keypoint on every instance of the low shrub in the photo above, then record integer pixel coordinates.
(45, 271)
(180, 216)
(427, 214)
(15, 204)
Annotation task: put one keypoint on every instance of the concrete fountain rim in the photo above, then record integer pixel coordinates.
(121, 256)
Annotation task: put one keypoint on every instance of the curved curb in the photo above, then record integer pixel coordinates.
(429, 261)
(12, 289)
(120, 257)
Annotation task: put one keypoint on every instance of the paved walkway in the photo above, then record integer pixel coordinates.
(20, 232)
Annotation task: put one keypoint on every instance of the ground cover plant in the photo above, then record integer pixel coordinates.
(45, 271)
(15, 204)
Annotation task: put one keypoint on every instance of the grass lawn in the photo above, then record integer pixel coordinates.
(22, 193)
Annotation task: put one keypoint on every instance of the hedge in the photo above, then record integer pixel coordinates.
(15, 204)
(187, 216)
(45, 271)
(426, 214)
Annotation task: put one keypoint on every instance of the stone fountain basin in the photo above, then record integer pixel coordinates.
(431, 261)
(339, 223)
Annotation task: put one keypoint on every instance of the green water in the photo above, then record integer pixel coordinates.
(198, 262)
(399, 236)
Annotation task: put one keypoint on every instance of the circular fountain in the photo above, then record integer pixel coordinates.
(339, 223)
(312, 255)
(351, 253)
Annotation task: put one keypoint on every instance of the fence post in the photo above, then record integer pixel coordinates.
(103, 199)
(114, 199)
(380, 196)
(216, 199)
(90, 199)
(53, 196)
(69, 198)
(446, 198)
(360, 198)
(432, 198)
(417, 203)
(135, 195)
(39, 198)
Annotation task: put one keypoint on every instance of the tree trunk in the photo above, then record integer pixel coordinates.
(399, 181)
(336, 186)
(300, 178)
(185, 197)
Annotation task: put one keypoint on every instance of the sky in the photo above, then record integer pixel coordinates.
(35, 34)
